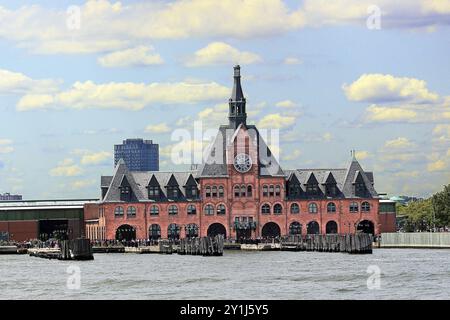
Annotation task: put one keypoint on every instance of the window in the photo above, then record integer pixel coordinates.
(209, 210)
(277, 190)
(360, 188)
(271, 191)
(214, 192)
(191, 209)
(330, 189)
(172, 192)
(173, 209)
(118, 211)
(131, 212)
(294, 190)
(312, 188)
(331, 207)
(237, 191)
(154, 210)
(353, 207)
(221, 209)
(265, 209)
(243, 191)
(265, 191)
(208, 192)
(192, 191)
(277, 209)
(125, 193)
(365, 206)
(153, 191)
(312, 208)
(295, 208)
(249, 191)
(221, 192)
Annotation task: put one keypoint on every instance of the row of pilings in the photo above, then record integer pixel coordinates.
(204, 246)
(360, 243)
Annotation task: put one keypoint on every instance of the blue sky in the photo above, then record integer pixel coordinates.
(312, 69)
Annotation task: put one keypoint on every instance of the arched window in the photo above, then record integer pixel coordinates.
(208, 192)
(237, 191)
(173, 231)
(131, 212)
(277, 190)
(214, 192)
(249, 191)
(277, 209)
(209, 210)
(243, 191)
(295, 208)
(221, 193)
(191, 209)
(365, 206)
(154, 210)
(354, 207)
(265, 209)
(312, 208)
(118, 211)
(191, 230)
(265, 191)
(331, 207)
(271, 191)
(295, 228)
(221, 209)
(173, 209)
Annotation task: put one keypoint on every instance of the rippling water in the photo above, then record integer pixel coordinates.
(405, 274)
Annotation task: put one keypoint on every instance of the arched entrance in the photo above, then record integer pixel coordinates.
(331, 227)
(366, 226)
(173, 231)
(295, 228)
(270, 230)
(154, 232)
(312, 228)
(215, 229)
(126, 232)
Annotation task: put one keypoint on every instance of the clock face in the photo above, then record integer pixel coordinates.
(242, 162)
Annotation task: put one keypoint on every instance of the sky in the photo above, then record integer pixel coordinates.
(332, 76)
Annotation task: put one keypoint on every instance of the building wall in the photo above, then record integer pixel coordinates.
(20, 230)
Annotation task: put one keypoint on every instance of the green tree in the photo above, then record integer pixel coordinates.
(441, 207)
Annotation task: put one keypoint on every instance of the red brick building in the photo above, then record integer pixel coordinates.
(240, 190)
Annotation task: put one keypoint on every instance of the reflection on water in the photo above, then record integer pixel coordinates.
(405, 274)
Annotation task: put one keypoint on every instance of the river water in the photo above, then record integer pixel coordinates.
(403, 274)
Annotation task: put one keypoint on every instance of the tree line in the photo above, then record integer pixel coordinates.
(427, 214)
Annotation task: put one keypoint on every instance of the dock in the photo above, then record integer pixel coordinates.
(77, 249)
(360, 243)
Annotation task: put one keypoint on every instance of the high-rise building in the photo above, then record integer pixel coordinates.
(138, 154)
(10, 197)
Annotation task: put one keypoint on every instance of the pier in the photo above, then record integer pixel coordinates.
(419, 240)
(77, 249)
(360, 243)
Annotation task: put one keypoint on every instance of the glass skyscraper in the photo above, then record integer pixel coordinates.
(138, 154)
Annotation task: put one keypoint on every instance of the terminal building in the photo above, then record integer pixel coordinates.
(239, 191)
(42, 219)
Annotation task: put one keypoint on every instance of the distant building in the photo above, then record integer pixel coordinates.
(10, 197)
(138, 154)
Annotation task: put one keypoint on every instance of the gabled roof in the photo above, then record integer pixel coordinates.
(354, 172)
(329, 178)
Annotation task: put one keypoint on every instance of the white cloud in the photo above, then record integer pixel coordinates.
(96, 157)
(399, 143)
(276, 121)
(292, 61)
(139, 56)
(437, 165)
(361, 155)
(390, 114)
(123, 95)
(157, 128)
(6, 146)
(286, 104)
(110, 26)
(80, 184)
(18, 83)
(217, 53)
(66, 168)
(381, 88)
(292, 155)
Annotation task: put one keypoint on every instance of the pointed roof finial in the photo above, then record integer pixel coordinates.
(237, 94)
(354, 155)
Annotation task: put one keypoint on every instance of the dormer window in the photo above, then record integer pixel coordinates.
(312, 188)
(172, 192)
(153, 192)
(331, 189)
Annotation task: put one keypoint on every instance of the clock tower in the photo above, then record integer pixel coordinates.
(237, 114)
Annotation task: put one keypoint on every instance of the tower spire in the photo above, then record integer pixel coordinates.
(237, 114)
